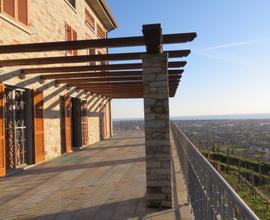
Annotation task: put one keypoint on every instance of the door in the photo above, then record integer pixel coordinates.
(84, 122)
(38, 127)
(2, 134)
(105, 121)
(66, 125)
(15, 127)
(76, 123)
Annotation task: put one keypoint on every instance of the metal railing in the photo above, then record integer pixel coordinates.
(210, 195)
(128, 125)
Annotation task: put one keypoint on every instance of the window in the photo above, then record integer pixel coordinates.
(89, 20)
(71, 35)
(17, 9)
(72, 2)
(91, 51)
(100, 32)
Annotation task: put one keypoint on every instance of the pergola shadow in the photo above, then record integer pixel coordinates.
(127, 209)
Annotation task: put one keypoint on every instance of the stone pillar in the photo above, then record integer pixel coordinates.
(157, 130)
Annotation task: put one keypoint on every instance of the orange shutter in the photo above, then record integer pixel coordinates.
(2, 134)
(105, 121)
(39, 127)
(68, 33)
(89, 20)
(23, 11)
(68, 124)
(9, 7)
(74, 37)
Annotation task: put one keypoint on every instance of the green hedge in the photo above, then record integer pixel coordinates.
(238, 161)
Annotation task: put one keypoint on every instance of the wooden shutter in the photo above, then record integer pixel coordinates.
(2, 134)
(100, 32)
(68, 33)
(39, 127)
(74, 37)
(103, 121)
(23, 11)
(110, 118)
(9, 7)
(89, 19)
(67, 125)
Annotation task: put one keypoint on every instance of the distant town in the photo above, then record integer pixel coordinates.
(248, 138)
(234, 134)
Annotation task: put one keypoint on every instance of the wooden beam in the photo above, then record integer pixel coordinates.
(128, 90)
(134, 82)
(117, 85)
(101, 74)
(85, 58)
(121, 88)
(96, 43)
(131, 96)
(152, 35)
(109, 79)
(130, 66)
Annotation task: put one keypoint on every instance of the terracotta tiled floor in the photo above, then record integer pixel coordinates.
(103, 181)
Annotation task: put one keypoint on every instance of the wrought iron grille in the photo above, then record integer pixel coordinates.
(15, 127)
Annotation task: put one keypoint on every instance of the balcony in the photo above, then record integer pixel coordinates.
(108, 181)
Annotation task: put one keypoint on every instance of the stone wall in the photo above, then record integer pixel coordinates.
(157, 132)
(47, 19)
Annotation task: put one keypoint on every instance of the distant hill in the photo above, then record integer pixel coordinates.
(224, 117)
(212, 117)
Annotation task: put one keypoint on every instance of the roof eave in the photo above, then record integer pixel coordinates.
(103, 12)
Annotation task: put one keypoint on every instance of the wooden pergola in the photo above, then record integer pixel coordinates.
(124, 80)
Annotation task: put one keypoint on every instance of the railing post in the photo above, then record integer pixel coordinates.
(156, 113)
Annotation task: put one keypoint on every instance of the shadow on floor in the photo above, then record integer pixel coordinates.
(124, 138)
(42, 170)
(112, 147)
(134, 208)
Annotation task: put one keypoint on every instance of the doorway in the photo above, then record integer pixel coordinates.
(76, 123)
(66, 124)
(15, 126)
(79, 123)
(84, 123)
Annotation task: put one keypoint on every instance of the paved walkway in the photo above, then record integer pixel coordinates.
(103, 181)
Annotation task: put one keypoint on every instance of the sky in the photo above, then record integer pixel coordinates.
(228, 71)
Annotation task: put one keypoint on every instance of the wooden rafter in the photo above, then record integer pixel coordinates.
(97, 43)
(129, 66)
(110, 79)
(101, 74)
(86, 58)
(119, 83)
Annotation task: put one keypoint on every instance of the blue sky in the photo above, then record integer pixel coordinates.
(228, 71)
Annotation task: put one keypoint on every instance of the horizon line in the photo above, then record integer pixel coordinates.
(204, 116)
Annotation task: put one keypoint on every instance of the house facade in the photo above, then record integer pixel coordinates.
(43, 119)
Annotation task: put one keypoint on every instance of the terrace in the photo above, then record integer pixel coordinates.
(133, 175)
(103, 181)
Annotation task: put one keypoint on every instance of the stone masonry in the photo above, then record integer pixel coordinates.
(47, 19)
(157, 133)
